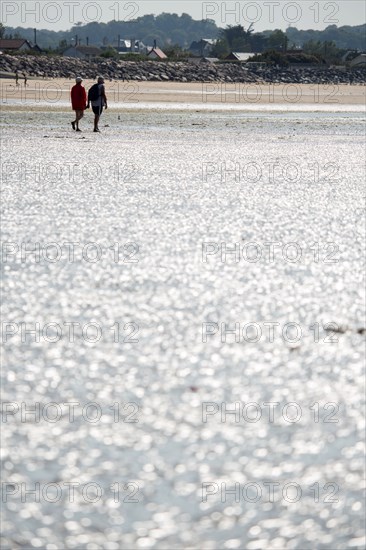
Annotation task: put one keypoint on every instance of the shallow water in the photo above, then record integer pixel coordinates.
(211, 106)
(171, 183)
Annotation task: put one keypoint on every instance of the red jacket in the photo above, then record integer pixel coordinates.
(78, 97)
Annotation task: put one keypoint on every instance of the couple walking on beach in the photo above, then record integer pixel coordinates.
(80, 101)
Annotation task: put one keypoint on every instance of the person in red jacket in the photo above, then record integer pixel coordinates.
(78, 101)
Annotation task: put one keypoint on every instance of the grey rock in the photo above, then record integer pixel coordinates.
(60, 67)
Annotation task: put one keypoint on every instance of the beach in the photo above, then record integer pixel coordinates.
(190, 284)
(54, 94)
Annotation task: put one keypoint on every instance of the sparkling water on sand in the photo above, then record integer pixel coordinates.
(170, 182)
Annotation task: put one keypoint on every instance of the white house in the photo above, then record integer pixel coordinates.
(131, 46)
(82, 52)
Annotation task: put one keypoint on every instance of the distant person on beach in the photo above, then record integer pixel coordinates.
(25, 79)
(78, 101)
(98, 101)
(16, 78)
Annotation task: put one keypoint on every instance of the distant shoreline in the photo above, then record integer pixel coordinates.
(44, 95)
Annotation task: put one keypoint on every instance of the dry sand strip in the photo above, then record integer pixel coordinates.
(54, 94)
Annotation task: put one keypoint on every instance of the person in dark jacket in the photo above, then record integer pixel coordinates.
(78, 101)
(99, 103)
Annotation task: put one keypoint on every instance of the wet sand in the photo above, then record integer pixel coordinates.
(185, 189)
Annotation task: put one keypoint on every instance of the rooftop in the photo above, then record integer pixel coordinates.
(13, 43)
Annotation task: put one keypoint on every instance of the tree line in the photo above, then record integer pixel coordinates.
(179, 31)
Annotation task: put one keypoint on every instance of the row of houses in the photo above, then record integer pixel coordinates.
(21, 45)
(125, 47)
(201, 49)
(90, 52)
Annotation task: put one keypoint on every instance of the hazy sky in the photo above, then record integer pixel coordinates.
(265, 14)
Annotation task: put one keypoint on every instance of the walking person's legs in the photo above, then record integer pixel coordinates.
(97, 112)
(96, 122)
(79, 116)
(75, 123)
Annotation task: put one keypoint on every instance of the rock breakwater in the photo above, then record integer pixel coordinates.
(65, 67)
